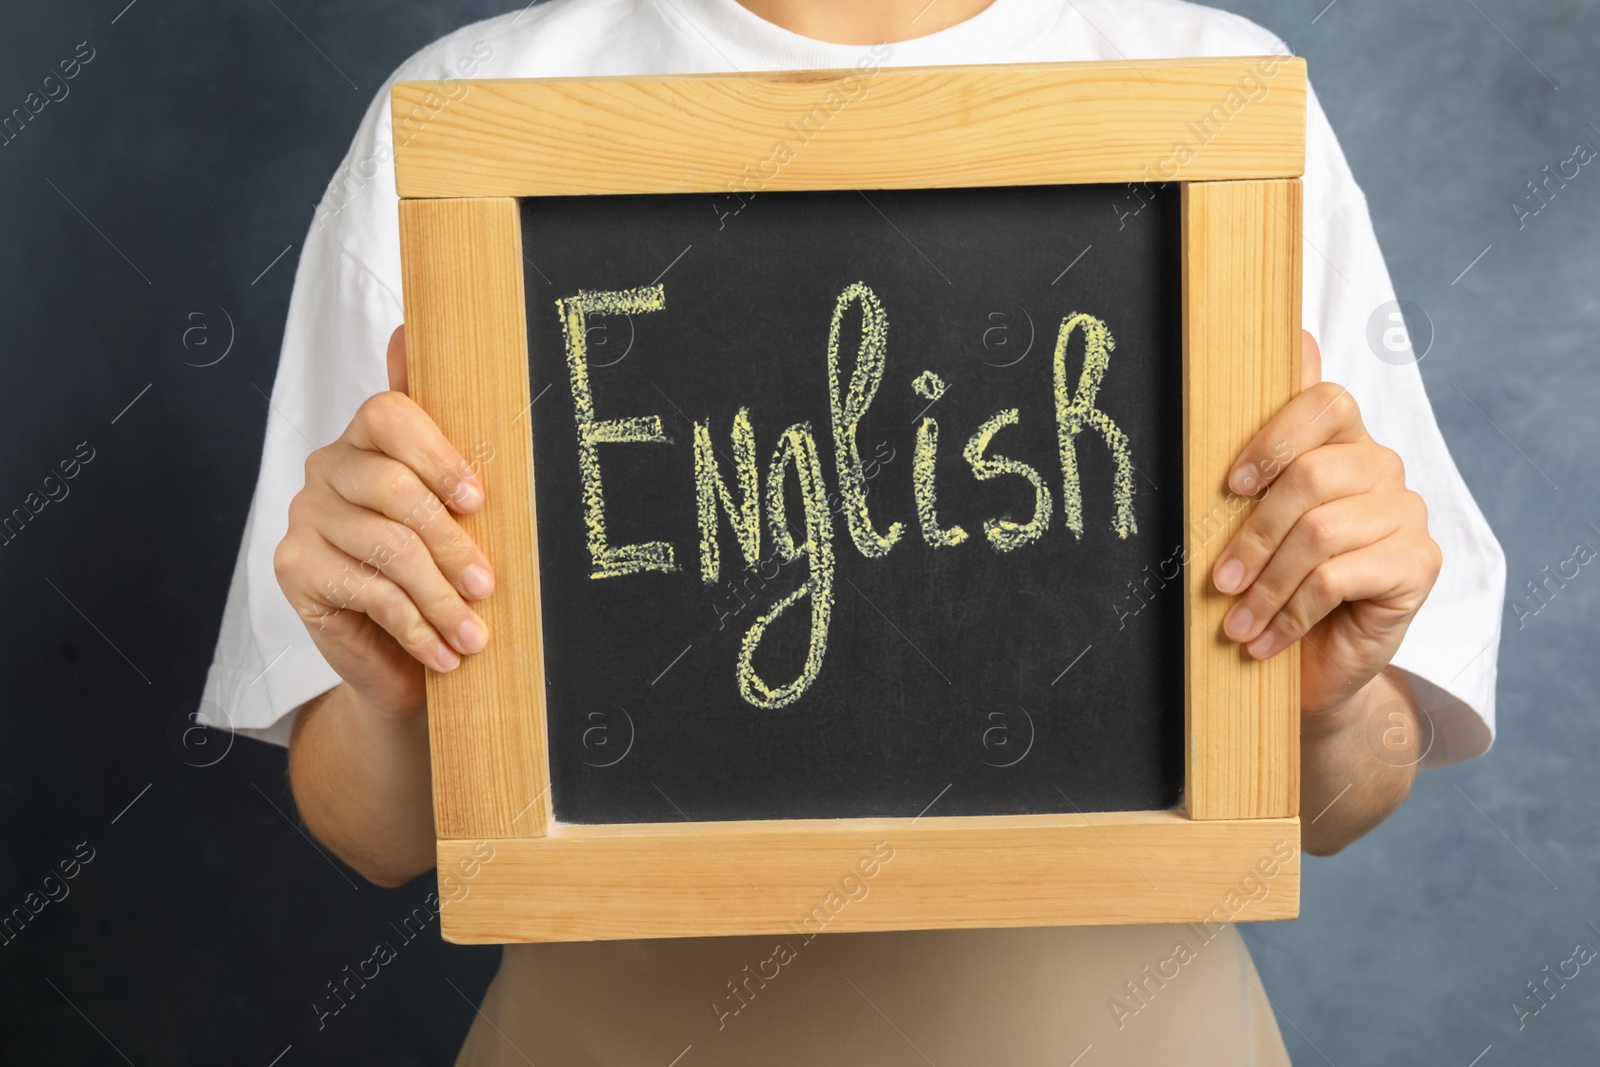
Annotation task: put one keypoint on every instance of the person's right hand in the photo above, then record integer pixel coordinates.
(376, 566)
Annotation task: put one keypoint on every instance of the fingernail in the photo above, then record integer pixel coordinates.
(467, 497)
(1262, 646)
(1238, 622)
(1230, 576)
(445, 658)
(1242, 480)
(470, 636)
(479, 582)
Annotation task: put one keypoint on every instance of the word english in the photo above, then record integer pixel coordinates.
(745, 502)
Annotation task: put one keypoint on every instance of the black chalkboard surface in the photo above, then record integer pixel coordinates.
(1034, 669)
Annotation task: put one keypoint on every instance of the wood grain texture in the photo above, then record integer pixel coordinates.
(945, 127)
(892, 128)
(1241, 295)
(466, 357)
(678, 880)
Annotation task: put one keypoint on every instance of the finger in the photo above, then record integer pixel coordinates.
(1378, 574)
(1310, 360)
(393, 424)
(396, 356)
(377, 483)
(324, 583)
(383, 546)
(1315, 478)
(1326, 531)
(1325, 413)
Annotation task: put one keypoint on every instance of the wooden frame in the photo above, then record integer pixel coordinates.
(508, 870)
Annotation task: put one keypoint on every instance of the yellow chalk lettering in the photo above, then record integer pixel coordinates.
(1074, 411)
(1003, 533)
(609, 561)
(797, 446)
(849, 411)
(745, 514)
(922, 462)
(930, 387)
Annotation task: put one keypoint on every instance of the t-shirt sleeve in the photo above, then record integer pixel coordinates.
(344, 305)
(340, 318)
(1450, 652)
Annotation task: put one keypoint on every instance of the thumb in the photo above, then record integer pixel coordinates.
(1310, 359)
(397, 359)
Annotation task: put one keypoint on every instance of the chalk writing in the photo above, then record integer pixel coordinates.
(799, 446)
(610, 561)
(738, 495)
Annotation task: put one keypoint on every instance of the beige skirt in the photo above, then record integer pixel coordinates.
(1085, 996)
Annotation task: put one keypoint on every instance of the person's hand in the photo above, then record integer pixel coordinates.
(1336, 553)
(373, 561)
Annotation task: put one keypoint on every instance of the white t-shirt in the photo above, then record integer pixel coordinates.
(346, 302)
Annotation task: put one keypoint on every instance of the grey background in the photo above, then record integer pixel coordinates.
(1413, 941)
(189, 155)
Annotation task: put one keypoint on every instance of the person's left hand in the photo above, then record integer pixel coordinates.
(1336, 554)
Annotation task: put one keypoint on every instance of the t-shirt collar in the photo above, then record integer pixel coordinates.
(744, 41)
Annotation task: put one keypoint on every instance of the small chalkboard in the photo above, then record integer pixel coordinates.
(1001, 638)
(856, 447)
